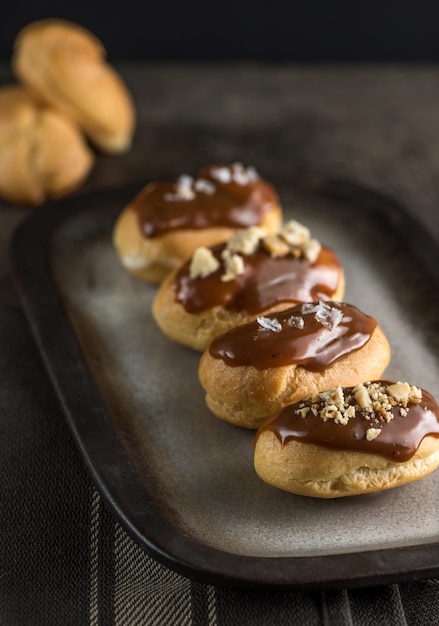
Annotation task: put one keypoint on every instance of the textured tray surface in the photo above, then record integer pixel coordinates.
(197, 469)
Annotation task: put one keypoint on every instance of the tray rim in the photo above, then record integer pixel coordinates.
(151, 529)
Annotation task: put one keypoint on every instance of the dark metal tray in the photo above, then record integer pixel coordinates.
(180, 481)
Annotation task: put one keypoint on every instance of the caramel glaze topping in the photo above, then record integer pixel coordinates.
(398, 439)
(266, 281)
(309, 335)
(235, 201)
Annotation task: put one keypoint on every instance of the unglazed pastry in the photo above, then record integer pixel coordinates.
(252, 274)
(63, 65)
(167, 221)
(42, 154)
(252, 371)
(350, 441)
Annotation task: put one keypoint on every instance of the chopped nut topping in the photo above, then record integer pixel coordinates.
(369, 400)
(399, 391)
(372, 433)
(276, 246)
(415, 395)
(249, 240)
(298, 237)
(234, 265)
(362, 396)
(404, 393)
(311, 250)
(295, 234)
(330, 411)
(203, 263)
(303, 412)
(350, 411)
(246, 241)
(334, 396)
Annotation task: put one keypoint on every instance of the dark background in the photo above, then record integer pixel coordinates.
(304, 30)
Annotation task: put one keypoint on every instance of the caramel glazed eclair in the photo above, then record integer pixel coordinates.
(350, 441)
(250, 275)
(252, 371)
(167, 221)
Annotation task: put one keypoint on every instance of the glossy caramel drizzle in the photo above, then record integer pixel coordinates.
(231, 205)
(398, 441)
(315, 346)
(266, 281)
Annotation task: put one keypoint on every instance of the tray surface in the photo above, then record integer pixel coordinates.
(181, 481)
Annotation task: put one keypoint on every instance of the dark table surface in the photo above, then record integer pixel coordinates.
(64, 559)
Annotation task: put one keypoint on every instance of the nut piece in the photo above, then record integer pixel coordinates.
(246, 241)
(294, 239)
(362, 396)
(203, 263)
(334, 396)
(275, 246)
(404, 393)
(311, 250)
(234, 265)
(295, 234)
(330, 411)
(372, 433)
(415, 395)
(399, 391)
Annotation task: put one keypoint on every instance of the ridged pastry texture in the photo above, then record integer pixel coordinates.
(42, 153)
(63, 65)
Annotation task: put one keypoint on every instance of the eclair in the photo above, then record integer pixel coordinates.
(250, 275)
(253, 370)
(167, 221)
(350, 441)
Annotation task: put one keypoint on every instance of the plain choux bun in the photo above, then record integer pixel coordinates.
(167, 221)
(320, 448)
(252, 274)
(63, 65)
(42, 153)
(252, 371)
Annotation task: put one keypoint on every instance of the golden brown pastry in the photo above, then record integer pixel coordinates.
(63, 65)
(350, 441)
(42, 154)
(252, 371)
(167, 221)
(252, 274)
